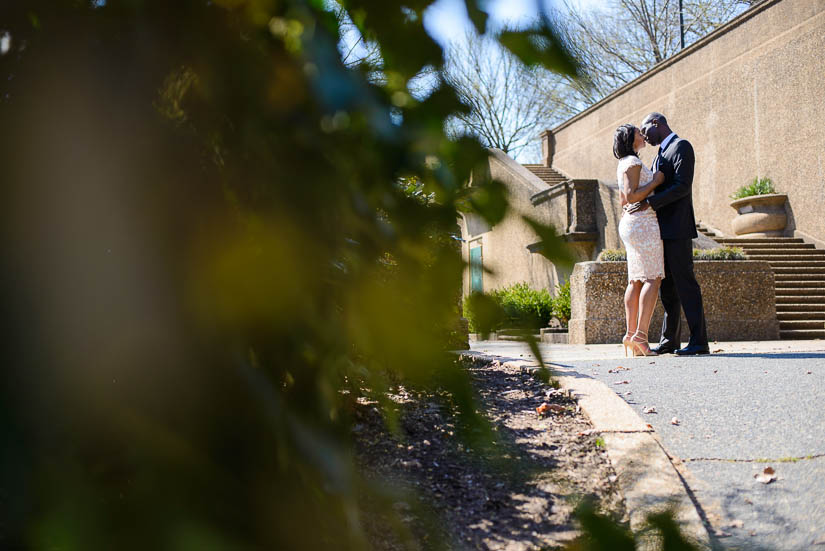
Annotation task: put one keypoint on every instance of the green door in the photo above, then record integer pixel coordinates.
(475, 270)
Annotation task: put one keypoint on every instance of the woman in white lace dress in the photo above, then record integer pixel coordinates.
(640, 234)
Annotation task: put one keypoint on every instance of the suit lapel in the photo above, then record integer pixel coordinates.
(662, 151)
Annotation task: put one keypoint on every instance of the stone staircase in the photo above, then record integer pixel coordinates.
(549, 175)
(799, 270)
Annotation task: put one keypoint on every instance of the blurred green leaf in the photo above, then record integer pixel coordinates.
(600, 533)
(489, 199)
(551, 245)
(541, 46)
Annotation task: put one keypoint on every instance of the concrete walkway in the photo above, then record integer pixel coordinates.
(747, 406)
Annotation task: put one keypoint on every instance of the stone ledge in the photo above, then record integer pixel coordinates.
(738, 295)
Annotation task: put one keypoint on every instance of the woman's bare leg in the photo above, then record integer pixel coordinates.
(631, 306)
(647, 302)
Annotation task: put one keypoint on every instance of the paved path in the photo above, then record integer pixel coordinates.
(746, 407)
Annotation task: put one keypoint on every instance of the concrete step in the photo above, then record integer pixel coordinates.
(799, 299)
(802, 291)
(802, 324)
(801, 277)
(787, 256)
(818, 317)
(795, 263)
(802, 334)
(798, 270)
(743, 240)
(778, 247)
(799, 284)
(789, 252)
(788, 307)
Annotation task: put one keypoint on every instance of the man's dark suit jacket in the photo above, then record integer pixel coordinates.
(673, 200)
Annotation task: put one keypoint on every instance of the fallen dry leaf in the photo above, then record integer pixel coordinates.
(622, 383)
(767, 476)
(649, 409)
(649, 426)
(717, 351)
(544, 408)
(674, 421)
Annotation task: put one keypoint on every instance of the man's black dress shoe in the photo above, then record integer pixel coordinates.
(661, 349)
(694, 350)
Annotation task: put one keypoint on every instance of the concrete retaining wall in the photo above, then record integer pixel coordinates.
(739, 300)
(748, 97)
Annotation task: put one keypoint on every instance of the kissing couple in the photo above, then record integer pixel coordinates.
(657, 229)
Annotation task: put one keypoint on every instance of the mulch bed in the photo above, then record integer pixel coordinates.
(520, 493)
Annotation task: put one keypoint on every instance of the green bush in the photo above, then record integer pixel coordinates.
(561, 304)
(516, 306)
(720, 253)
(484, 313)
(524, 307)
(612, 255)
(759, 186)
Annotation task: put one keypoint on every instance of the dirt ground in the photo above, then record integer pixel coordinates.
(517, 494)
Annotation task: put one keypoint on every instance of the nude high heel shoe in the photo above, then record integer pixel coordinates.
(640, 346)
(626, 342)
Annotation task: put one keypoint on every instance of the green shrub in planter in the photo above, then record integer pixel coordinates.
(612, 255)
(720, 253)
(759, 186)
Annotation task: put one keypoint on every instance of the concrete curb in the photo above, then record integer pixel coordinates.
(647, 478)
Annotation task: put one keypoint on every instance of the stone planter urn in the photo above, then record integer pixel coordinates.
(760, 215)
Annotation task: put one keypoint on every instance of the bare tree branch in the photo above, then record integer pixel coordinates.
(625, 38)
(510, 104)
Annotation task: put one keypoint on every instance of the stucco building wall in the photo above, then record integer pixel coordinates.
(505, 256)
(750, 98)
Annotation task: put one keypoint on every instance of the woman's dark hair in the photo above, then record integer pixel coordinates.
(623, 141)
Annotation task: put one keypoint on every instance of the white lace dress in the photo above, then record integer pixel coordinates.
(640, 232)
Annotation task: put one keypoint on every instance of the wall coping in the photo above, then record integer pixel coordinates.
(518, 170)
(664, 64)
(595, 266)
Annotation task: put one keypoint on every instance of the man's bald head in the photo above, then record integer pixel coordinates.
(654, 128)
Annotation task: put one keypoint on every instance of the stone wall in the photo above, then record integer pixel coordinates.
(749, 97)
(738, 296)
(585, 213)
(505, 256)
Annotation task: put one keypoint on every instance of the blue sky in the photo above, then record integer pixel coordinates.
(446, 19)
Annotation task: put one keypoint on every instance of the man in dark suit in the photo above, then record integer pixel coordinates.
(673, 204)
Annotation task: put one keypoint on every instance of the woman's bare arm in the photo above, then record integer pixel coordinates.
(633, 191)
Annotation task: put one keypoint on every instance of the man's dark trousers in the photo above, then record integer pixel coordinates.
(680, 290)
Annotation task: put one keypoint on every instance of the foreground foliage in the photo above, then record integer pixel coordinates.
(208, 257)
